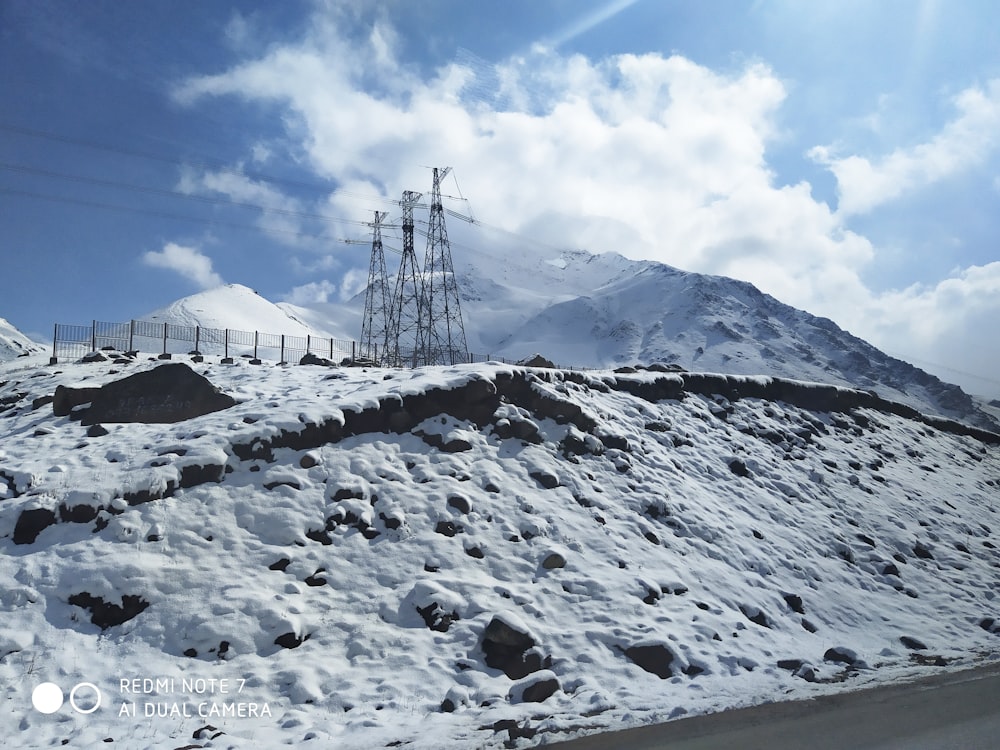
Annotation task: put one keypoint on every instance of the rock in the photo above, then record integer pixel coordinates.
(537, 361)
(312, 359)
(739, 468)
(546, 478)
(93, 357)
(655, 659)
(536, 688)
(912, 643)
(794, 603)
(447, 528)
(436, 618)
(67, 399)
(755, 615)
(290, 640)
(166, 394)
(990, 625)
(510, 650)
(842, 655)
(41, 401)
(106, 615)
(554, 560)
(96, 430)
(459, 503)
(31, 523)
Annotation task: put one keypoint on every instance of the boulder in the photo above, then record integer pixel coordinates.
(654, 658)
(511, 650)
(165, 394)
(537, 361)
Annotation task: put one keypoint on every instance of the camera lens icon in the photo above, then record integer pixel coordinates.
(47, 698)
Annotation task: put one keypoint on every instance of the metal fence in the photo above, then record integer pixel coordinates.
(168, 339)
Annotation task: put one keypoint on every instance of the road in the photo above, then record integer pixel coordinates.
(944, 711)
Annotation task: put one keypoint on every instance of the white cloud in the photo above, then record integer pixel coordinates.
(655, 157)
(313, 293)
(353, 283)
(948, 326)
(281, 217)
(189, 262)
(863, 185)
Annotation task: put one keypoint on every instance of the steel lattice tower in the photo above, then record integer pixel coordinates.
(445, 333)
(406, 342)
(377, 321)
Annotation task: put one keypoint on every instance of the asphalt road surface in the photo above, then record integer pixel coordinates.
(953, 711)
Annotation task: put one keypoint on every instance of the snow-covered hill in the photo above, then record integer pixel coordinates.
(606, 310)
(475, 556)
(14, 344)
(240, 308)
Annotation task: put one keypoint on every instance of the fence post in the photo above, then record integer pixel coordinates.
(165, 327)
(376, 353)
(226, 343)
(197, 338)
(93, 336)
(255, 335)
(131, 335)
(308, 343)
(55, 337)
(282, 349)
(354, 351)
(331, 347)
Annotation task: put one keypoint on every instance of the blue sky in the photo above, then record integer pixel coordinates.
(842, 156)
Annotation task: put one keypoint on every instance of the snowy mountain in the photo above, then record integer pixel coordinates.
(598, 311)
(605, 310)
(468, 557)
(14, 344)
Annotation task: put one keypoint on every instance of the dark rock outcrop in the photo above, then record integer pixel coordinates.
(165, 394)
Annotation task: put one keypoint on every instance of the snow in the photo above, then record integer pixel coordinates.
(749, 544)
(14, 344)
(607, 311)
(236, 307)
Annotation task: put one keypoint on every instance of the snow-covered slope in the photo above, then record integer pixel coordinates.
(588, 310)
(237, 307)
(477, 556)
(14, 344)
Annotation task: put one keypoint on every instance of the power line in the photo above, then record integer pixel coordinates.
(200, 161)
(150, 212)
(175, 193)
(938, 365)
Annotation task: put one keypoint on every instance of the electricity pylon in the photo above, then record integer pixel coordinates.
(444, 339)
(406, 342)
(377, 321)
